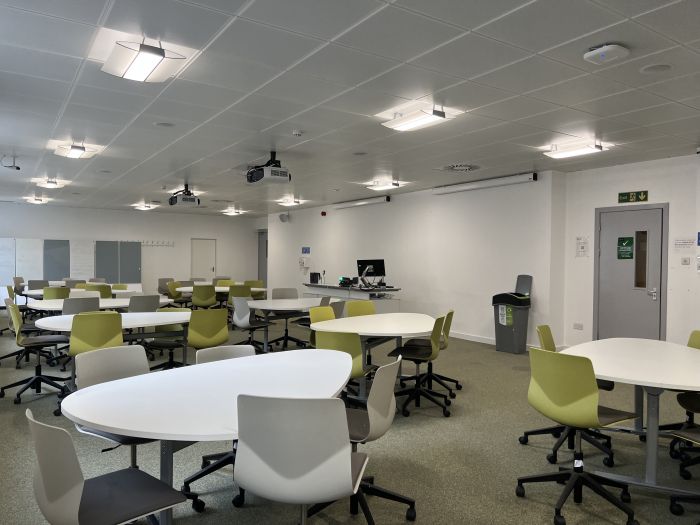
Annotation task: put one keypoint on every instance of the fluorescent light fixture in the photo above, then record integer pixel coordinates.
(36, 199)
(417, 115)
(363, 202)
(290, 201)
(75, 152)
(565, 152)
(142, 62)
(145, 206)
(384, 185)
(486, 183)
(80, 151)
(50, 183)
(233, 211)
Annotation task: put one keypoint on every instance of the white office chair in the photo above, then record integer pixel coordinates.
(213, 462)
(65, 497)
(242, 318)
(298, 451)
(110, 364)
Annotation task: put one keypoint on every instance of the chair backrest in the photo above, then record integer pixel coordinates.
(223, 282)
(70, 283)
(10, 292)
(196, 279)
(293, 450)
(163, 285)
(93, 330)
(216, 280)
(255, 283)
(446, 329)
(77, 305)
(120, 286)
(325, 300)
(343, 342)
(104, 289)
(321, 313)
(435, 337)
(110, 364)
(15, 320)
(144, 303)
(285, 293)
(55, 292)
(381, 403)
(563, 388)
(355, 308)
(338, 307)
(190, 282)
(35, 284)
(171, 327)
(221, 353)
(97, 280)
(204, 295)
(81, 286)
(83, 293)
(172, 289)
(58, 478)
(18, 284)
(238, 290)
(694, 339)
(208, 328)
(544, 332)
(241, 312)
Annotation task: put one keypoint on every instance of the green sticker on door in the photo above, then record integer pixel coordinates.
(625, 246)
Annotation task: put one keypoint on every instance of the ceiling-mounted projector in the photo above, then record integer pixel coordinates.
(271, 171)
(184, 197)
(606, 53)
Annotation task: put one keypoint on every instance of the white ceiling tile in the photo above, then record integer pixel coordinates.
(326, 119)
(680, 21)
(330, 17)
(515, 108)
(220, 69)
(659, 114)
(467, 14)
(243, 121)
(569, 121)
(531, 27)
(529, 74)
(42, 107)
(24, 129)
(165, 109)
(47, 34)
(686, 127)
(639, 40)
(577, 90)
(468, 95)
(92, 132)
(37, 63)
(543, 138)
(165, 20)
(661, 141)
(362, 102)
(631, 135)
(343, 65)
(632, 7)
(190, 92)
(108, 99)
(396, 33)
(90, 113)
(227, 6)
(621, 103)
(470, 55)
(682, 62)
(694, 102)
(301, 88)
(410, 82)
(23, 85)
(268, 107)
(87, 11)
(677, 88)
(250, 41)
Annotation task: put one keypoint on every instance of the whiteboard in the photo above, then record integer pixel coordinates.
(7, 264)
(82, 259)
(29, 257)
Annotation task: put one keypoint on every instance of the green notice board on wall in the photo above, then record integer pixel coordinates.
(625, 247)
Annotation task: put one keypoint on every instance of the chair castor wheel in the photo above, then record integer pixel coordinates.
(57, 412)
(17, 401)
(674, 454)
(522, 440)
(151, 358)
(445, 412)
(609, 461)
(643, 439)
(459, 387)
(520, 491)
(448, 402)
(559, 520)
(411, 514)
(238, 500)
(198, 505)
(2, 393)
(552, 458)
(556, 435)
(676, 508)
(625, 496)
(405, 413)
(632, 522)
(452, 394)
(685, 474)
(402, 383)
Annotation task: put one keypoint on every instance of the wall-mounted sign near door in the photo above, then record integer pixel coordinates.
(625, 246)
(633, 196)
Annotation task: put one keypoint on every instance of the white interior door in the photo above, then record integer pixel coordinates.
(204, 258)
(630, 290)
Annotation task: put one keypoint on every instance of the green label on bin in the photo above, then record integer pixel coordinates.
(505, 315)
(625, 246)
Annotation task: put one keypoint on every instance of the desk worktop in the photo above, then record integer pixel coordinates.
(353, 288)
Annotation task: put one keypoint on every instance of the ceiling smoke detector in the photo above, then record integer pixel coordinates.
(458, 168)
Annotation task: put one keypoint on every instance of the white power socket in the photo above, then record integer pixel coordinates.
(578, 326)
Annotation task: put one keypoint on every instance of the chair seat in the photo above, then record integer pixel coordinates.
(412, 353)
(116, 438)
(163, 344)
(285, 315)
(424, 342)
(44, 340)
(358, 462)
(303, 321)
(358, 424)
(689, 434)
(122, 496)
(255, 324)
(690, 401)
(608, 416)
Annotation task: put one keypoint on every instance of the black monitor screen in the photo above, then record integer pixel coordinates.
(376, 267)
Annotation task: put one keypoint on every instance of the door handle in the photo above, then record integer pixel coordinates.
(652, 293)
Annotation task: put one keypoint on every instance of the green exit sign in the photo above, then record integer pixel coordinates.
(633, 196)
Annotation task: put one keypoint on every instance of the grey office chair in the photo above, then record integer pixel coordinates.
(76, 305)
(163, 285)
(338, 308)
(286, 293)
(70, 283)
(66, 497)
(37, 284)
(18, 284)
(97, 280)
(144, 303)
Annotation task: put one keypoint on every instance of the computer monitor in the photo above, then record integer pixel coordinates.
(375, 267)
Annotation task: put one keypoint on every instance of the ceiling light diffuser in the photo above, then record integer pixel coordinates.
(290, 201)
(142, 62)
(417, 115)
(80, 151)
(36, 199)
(384, 185)
(75, 152)
(50, 183)
(145, 206)
(233, 211)
(565, 152)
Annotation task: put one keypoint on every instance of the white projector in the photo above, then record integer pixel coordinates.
(605, 54)
(268, 174)
(184, 200)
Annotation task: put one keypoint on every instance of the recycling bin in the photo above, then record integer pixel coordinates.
(510, 315)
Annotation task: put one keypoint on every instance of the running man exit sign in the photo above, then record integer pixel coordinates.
(633, 196)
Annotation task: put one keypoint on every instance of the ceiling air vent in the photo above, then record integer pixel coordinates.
(458, 168)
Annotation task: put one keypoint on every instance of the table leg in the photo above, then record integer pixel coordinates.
(266, 346)
(363, 380)
(167, 450)
(652, 453)
(185, 328)
(639, 408)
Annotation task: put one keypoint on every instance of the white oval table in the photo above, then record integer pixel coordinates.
(34, 294)
(218, 289)
(654, 366)
(397, 325)
(56, 305)
(64, 323)
(178, 418)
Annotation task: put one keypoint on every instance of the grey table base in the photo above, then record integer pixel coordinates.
(167, 451)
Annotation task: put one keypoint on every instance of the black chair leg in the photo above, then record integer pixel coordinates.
(365, 508)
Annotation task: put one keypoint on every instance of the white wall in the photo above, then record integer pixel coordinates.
(444, 251)
(236, 238)
(674, 181)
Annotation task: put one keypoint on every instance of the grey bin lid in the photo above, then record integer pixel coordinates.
(523, 284)
(511, 299)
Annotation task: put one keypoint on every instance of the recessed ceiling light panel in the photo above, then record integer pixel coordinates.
(290, 201)
(384, 184)
(559, 151)
(51, 183)
(417, 115)
(36, 199)
(80, 151)
(145, 206)
(142, 62)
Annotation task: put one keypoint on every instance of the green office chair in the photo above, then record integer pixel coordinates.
(222, 297)
(563, 388)
(104, 289)
(55, 292)
(318, 314)
(350, 344)
(423, 355)
(203, 296)
(564, 433)
(120, 286)
(256, 284)
(175, 296)
(169, 343)
(363, 307)
(208, 328)
(81, 286)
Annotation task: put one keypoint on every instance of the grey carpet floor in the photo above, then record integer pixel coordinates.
(460, 469)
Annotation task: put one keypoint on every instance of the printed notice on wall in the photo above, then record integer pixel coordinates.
(684, 243)
(581, 246)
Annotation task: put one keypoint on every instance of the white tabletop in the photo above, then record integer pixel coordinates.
(380, 325)
(198, 403)
(643, 362)
(40, 293)
(219, 289)
(64, 323)
(285, 305)
(56, 305)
